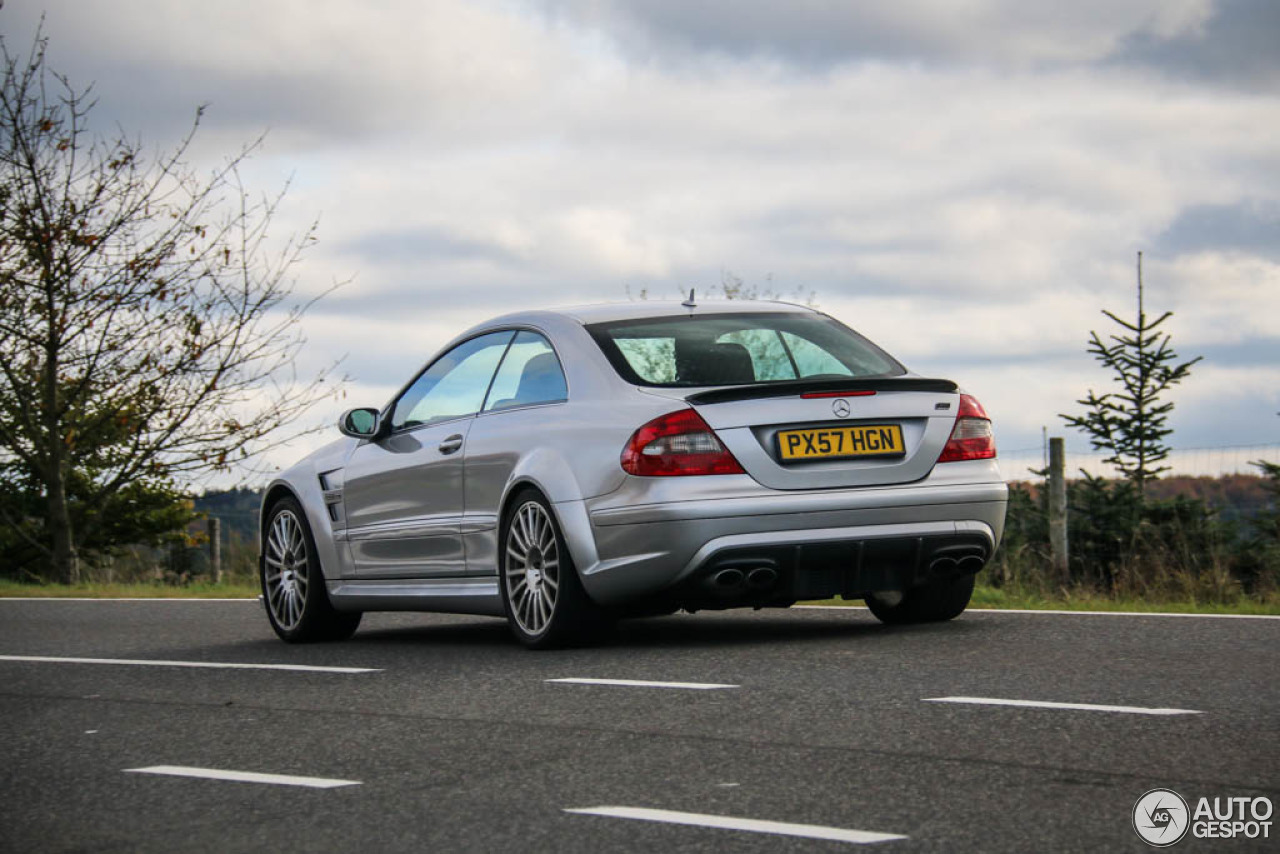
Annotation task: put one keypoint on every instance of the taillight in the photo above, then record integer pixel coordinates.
(971, 438)
(678, 443)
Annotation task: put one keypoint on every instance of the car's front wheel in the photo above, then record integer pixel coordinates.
(293, 589)
(542, 595)
(934, 601)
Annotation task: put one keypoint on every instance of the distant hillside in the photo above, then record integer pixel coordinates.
(237, 508)
(1234, 496)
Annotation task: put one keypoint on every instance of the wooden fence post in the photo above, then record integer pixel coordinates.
(215, 549)
(1058, 511)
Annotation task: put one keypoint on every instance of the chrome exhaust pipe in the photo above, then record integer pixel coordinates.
(761, 578)
(727, 581)
(942, 565)
(971, 564)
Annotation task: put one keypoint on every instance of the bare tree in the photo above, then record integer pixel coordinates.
(148, 329)
(732, 286)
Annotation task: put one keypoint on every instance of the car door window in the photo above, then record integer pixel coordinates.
(530, 373)
(454, 385)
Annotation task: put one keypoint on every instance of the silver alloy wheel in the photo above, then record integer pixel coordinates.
(285, 571)
(532, 576)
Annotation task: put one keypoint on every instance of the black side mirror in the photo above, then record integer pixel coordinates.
(362, 423)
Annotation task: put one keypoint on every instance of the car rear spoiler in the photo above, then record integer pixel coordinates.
(791, 388)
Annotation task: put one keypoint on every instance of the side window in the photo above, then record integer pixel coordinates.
(530, 373)
(454, 385)
(812, 360)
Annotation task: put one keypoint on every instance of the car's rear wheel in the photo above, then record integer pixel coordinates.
(292, 583)
(934, 601)
(542, 595)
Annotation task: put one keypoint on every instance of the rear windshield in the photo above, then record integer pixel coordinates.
(739, 349)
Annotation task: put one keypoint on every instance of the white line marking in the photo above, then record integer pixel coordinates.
(641, 683)
(724, 822)
(1038, 704)
(243, 776)
(1067, 613)
(223, 665)
(1125, 614)
(122, 599)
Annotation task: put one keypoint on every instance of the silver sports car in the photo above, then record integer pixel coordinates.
(568, 468)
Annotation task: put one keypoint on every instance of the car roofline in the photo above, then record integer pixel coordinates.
(612, 312)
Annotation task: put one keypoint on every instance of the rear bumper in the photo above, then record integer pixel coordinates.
(813, 544)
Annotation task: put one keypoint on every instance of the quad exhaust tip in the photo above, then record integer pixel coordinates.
(731, 580)
(728, 580)
(761, 578)
(966, 565)
(943, 565)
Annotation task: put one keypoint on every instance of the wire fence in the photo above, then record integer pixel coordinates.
(1021, 463)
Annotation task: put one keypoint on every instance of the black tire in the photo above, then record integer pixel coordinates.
(293, 590)
(932, 602)
(542, 596)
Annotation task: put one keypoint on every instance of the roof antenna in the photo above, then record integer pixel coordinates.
(689, 303)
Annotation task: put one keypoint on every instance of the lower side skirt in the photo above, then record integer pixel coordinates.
(447, 595)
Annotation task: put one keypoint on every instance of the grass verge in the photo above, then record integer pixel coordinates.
(227, 590)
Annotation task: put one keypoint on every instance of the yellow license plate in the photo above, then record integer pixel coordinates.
(871, 440)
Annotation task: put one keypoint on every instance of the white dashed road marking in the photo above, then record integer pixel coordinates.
(1080, 707)
(223, 665)
(1064, 613)
(243, 776)
(751, 825)
(641, 683)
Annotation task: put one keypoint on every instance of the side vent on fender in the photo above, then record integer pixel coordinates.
(331, 488)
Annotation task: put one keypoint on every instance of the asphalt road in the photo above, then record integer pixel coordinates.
(454, 740)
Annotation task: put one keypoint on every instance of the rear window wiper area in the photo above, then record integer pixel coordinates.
(790, 388)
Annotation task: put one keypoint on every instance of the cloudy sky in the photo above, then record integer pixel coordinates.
(967, 183)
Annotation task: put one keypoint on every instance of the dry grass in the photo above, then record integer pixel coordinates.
(232, 590)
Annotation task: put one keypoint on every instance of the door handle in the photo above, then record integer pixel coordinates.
(451, 444)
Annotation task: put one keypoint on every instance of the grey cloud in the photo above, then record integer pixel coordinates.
(802, 31)
(1231, 420)
(156, 99)
(1239, 46)
(1236, 46)
(1248, 226)
(1249, 352)
(821, 33)
(429, 245)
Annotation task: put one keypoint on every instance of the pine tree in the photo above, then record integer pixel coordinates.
(1131, 424)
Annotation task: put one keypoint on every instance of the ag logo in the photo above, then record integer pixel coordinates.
(1161, 817)
(840, 407)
